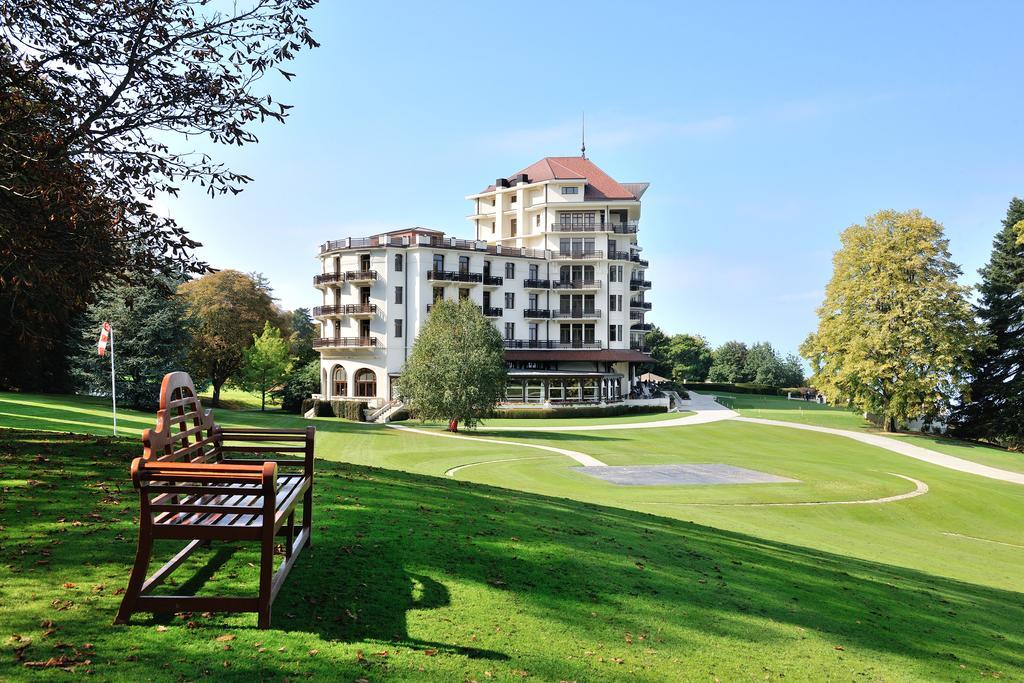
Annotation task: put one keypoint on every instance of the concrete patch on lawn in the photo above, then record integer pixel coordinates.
(681, 475)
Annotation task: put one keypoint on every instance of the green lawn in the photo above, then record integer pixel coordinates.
(531, 566)
(235, 398)
(806, 412)
(579, 421)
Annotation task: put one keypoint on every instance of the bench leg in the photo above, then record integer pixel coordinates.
(138, 576)
(266, 575)
(307, 516)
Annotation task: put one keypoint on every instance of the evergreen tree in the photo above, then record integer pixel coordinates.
(657, 344)
(303, 333)
(456, 369)
(266, 363)
(792, 372)
(993, 408)
(152, 336)
(689, 357)
(729, 364)
(763, 365)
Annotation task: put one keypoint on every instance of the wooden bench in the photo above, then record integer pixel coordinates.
(192, 488)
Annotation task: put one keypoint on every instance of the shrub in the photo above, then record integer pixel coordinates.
(354, 411)
(307, 403)
(323, 408)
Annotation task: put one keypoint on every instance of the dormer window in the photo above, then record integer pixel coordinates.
(570, 189)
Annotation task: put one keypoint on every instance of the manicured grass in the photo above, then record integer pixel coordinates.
(986, 455)
(910, 590)
(426, 578)
(806, 412)
(236, 399)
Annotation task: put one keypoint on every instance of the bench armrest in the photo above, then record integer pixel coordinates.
(144, 471)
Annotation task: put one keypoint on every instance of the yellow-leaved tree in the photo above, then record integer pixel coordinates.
(896, 329)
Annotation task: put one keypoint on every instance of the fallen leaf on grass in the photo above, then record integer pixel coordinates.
(840, 647)
(161, 628)
(430, 653)
(224, 638)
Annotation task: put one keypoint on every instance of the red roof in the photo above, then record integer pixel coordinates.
(600, 185)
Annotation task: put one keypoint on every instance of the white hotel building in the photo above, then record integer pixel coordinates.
(555, 265)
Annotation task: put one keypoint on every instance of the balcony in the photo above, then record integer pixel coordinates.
(328, 278)
(621, 228)
(640, 327)
(492, 312)
(576, 284)
(635, 258)
(536, 313)
(345, 343)
(577, 314)
(640, 305)
(639, 346)
(550, 344)
(345, 309)
(493, 281)
(360, 275)
(637, 285)
(618, 255)
(454, 276)
(534, 283)
(579, 255)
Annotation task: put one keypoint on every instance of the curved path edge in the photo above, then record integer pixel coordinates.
(950, 462)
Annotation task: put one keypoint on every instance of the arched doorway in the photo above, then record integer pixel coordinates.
(366, 383)
(339, 381)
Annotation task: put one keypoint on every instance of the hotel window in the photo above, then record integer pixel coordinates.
(340, 381)
(510, 330)
(510, 270)
(438, 294)
(556, 390)
(534, 271)
(398, 327)
(514, 392)
(513, 199)
(463, 293)
(337, 264)
(510, 300)
(534, 391)
(571, 189)
(533, 302)
(536, 220)
(398, 263)
(615, 273)
(398, 295)
(514, 226)
(615, 333)
(438, 262)
(463, 264)
(615, 302)
(534, 331)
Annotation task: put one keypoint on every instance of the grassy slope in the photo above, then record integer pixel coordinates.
(456, 581)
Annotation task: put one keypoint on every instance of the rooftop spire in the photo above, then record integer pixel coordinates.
(583, 135)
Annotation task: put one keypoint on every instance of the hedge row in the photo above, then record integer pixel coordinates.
(586, 411)
(350, 410)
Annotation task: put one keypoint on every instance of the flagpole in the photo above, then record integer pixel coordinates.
(113, 386)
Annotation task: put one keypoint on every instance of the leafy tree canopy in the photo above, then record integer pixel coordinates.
(229, 309)
(689, 357)
(304, 331)
(456, 369)
(98, 102)
(301, 381)
(729, 363)
(266, 363)
(895, 331)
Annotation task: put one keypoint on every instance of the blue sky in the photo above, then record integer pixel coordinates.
(763, 128)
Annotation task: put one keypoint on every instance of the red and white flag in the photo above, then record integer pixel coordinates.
(101, 346)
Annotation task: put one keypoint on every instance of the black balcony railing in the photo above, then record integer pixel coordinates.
(494, 280)
(454, 276)
(353, 275)
(641, 327)
(622, 228)
(576, 284)
(636, 285)
(642, 305)
(635, 346)
(534, 283)
(550, 344)
(578, 313)
(635, 258)
(618, 255)
(325, 278)
(345, 309)
(536, 313)
(582, 254)
(492, 312)
(344, 342)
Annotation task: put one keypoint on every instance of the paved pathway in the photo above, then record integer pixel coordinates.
(903, 448)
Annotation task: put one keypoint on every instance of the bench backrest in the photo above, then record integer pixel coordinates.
(184, 431)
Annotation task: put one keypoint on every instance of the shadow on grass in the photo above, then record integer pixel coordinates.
(388, 544)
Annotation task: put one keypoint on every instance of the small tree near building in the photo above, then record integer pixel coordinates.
(266, 363)
(895, 331)
(456, 369)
